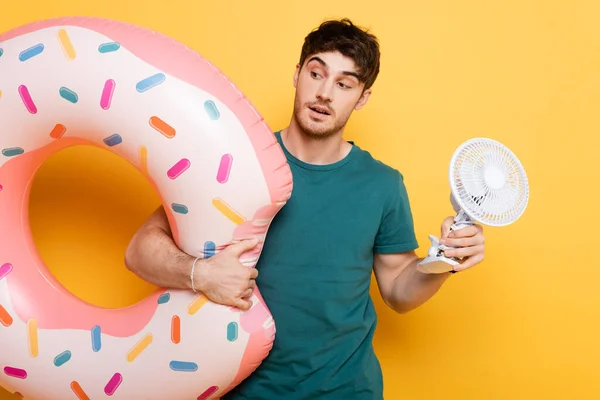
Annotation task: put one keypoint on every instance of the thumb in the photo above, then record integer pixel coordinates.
(446, 224)
(243, 246)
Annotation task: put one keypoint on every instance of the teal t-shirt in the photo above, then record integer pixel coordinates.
(315, 273)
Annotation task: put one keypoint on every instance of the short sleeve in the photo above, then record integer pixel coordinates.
(396, 232)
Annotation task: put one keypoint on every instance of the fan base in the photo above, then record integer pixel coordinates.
(436, 262)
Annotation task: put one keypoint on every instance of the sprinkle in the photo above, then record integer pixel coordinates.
(144, 159)
(26, 97)
(109, 47)
(139, 347)
(18, 395)
(227, 211)
(107, 94)
(31, 52)
(58, 131)
(175, 329)
(224, 168)
(150, 82)
(62, 358)
(5, 269)
(96, 338)
(113, 140)
(76, 388)
(12, 151)
(32, 334)
(68, 95)
(162, 127)
(66, 44)
(5, 318)
(211, 109)
(183, 366)
(232, 331)
(179, 168)
(208, 392)
(15, 372)
(0, 90)
(197, 304)
(113, 384)
(209, 249)
(164, 298)
(1, 52)
(179, 208)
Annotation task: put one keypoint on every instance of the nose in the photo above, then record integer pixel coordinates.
(325, 91)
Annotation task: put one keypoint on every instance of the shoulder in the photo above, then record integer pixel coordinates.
(380, 171)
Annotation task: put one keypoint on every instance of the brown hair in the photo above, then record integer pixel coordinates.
(351, 41)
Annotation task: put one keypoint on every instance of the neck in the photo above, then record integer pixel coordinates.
(317, 151)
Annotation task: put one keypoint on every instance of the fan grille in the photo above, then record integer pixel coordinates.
(489, 182)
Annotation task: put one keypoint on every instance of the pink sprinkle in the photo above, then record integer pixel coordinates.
(224, 168)
(178, 168)
(15, 372)
(1, 188)
(113, 384)
(26, 97)
(5, 270)
(208, 392)
(107, 93)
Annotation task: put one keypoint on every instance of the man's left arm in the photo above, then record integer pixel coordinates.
(403, 287)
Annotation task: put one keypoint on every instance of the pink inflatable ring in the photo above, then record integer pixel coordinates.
(217, 168)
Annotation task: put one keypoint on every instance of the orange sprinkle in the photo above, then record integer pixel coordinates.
(175, 329)
(66, 44)
(197, 304)
(227, 211)
(162, 127)
(144, 159)
(76, 388)
(5, 318)
(139, 347)
(32, 333)
(58, 131)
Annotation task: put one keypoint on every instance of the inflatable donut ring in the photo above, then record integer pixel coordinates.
(219, 172)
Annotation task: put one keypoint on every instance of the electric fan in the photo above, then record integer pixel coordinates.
(488, 185)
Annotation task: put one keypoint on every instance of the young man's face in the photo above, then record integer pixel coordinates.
(327, 91)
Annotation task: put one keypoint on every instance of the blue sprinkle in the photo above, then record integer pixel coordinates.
(31, 52)
(164, 298)
(109, 47)
(183, 366)
(12, 151)
(96, 338)
(1, 52)
(211, 109)
(209, 249)
(62, 358)
(113, 140)
(150, 82)
(68, 95)
(179, 208)
(232, 331)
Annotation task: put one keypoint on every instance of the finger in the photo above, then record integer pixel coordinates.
(461, 252)
(243, 304)
(251, 284)
(253, 273)
(247, 293)
(243, 246)
(446, 224)
(471, 230)
(469, 262)
(464, 242)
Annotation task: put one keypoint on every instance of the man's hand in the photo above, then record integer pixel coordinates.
(469, 243)
(224, 279)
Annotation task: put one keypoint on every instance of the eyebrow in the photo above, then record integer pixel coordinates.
(324, 64)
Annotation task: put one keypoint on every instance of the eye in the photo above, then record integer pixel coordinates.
(343, 85)
(314, 74)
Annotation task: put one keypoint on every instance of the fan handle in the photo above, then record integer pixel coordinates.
(436, 262)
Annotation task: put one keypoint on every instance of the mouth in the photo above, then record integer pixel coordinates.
(320, 109)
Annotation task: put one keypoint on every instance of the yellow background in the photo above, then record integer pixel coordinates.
(522, 325)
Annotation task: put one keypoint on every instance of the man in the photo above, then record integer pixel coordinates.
(349, 215)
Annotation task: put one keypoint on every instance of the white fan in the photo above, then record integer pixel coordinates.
(489, 186)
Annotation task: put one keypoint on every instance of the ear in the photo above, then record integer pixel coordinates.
(296, 74)
(363, 99)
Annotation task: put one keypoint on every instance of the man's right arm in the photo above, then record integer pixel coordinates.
(154, 256)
